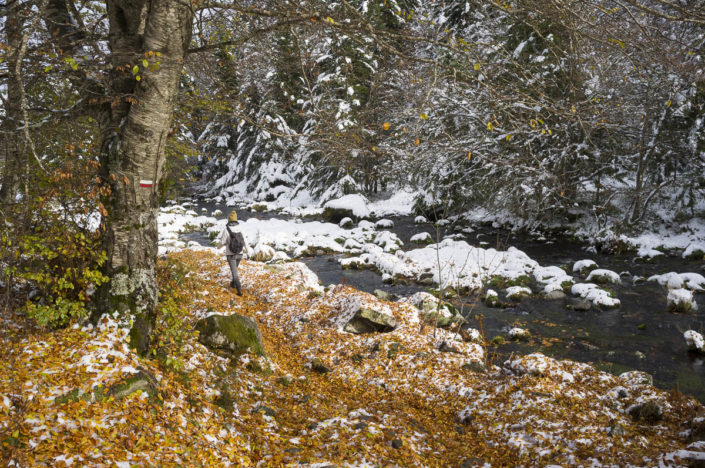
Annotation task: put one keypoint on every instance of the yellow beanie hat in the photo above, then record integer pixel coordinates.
(232, 217)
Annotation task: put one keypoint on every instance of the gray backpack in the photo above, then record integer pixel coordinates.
(236, 243)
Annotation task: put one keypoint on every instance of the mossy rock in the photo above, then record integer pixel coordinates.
(258, 208)
(141, 381)
(680, 307)
(500, 282)
(230, 335)
(318, 366)
(498, 340)
(98, 394)
(492, 300)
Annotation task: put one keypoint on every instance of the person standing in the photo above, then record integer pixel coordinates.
(231, 237)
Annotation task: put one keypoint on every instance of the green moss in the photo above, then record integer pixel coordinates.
(498, 340)
(233, 334)
(72, 396)
(682, 307)
(258, 208)
(500, 282)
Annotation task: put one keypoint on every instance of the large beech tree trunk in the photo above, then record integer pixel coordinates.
(134, 129)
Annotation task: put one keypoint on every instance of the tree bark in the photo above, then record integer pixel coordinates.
(15, 159)
(134, 129)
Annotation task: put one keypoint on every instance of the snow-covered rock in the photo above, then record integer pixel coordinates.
(461, 265)
(692, 281)
(432, 310)
(648, 252)
(695, 251)
(384, 224)
(694, 341)
(595, 294)
(517, 292)
(420, 220)
(681, 300)
(540, 365)
(346, 222)
(263, 253)
(422, 238)
(517, 333)
(355, 204)
(582, 266)
(601, 275)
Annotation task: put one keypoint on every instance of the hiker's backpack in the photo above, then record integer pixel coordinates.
(236, 243)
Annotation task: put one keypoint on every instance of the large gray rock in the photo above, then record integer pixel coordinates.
(370, 321)
(555, 295)
(230, 335)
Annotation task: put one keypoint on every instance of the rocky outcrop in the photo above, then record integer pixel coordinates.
(370, 321)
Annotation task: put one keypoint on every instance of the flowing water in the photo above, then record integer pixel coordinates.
(640, 334)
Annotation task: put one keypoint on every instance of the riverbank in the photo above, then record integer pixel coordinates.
(639, 334)
(414, 395)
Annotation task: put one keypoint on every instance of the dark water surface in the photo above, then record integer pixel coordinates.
(638, 335)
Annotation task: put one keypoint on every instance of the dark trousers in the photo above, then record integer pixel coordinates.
(234, 261)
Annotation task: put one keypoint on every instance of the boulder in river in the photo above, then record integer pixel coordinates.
(555, 295)
(352, 206)
(681, 301)
(230, 335)
(516, 293)
(694, 341)
(603, 276)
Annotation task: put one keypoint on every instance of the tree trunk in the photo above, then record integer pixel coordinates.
(134, 129)
(11, 143)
